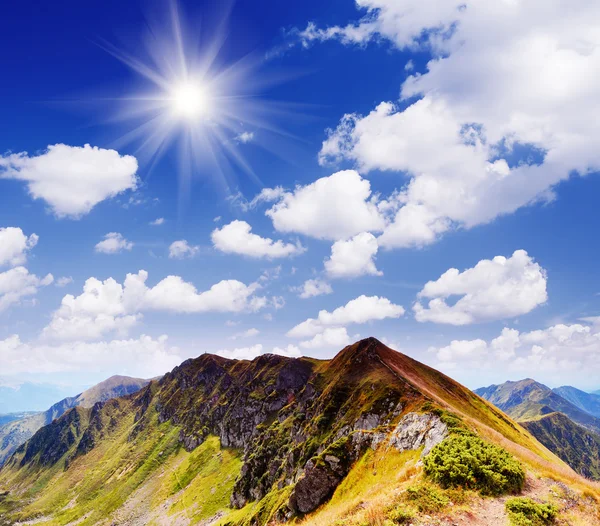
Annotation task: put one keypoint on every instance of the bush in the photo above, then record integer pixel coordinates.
(526, 512)
(469, 462)
(400, 515)
(427, 499)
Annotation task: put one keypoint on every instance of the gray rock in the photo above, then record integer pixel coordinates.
(416, 430)
(367, 422)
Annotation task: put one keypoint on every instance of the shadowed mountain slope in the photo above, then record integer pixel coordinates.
(250, 443)
(574, 444)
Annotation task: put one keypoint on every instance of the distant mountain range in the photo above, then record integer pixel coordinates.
(566, 420)
(17, 430)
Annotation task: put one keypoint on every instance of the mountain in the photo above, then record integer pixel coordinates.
(590, 403)
(574, 444)
(560, 423)
(528, 399)
(17, 431)
(364, 438)
(11, 417)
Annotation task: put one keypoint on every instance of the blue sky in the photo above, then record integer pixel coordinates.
(458, 152)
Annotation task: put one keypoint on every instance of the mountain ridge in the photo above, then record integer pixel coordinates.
(261, 441)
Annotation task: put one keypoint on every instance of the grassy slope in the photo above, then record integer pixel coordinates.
(571, 442)
(146, 475)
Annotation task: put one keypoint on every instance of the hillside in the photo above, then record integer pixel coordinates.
(362, 439)
(562, 426)
(574, 444)
(528, 399)
(590, 403)
(19, 430)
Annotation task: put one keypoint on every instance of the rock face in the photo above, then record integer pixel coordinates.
(418, 430)
(317, 485)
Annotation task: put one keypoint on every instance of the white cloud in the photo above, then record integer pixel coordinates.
(336, 337)
(242, 353)
(462, 350)
(237, 238)
(64, 281)
(158, 221)
(503, 111)
(334, 207)
(245, 137)
(17, 283)
(72, 179)
(492, 290)
(353, 258)
(250, 353)
(107, 306)
(291, 351)
(359, 310)
(314, 287)
(182, 249)
(144, 357)
(250, 333)
(559, 355)
(113, 243)
(14, 245)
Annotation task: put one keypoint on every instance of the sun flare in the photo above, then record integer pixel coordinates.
(193, 97)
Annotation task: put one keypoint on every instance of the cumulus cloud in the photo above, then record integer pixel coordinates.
(250, 353)
(113, 243)
(500, 116)
(359, 310)
(353, 258)
(14, 245)
(291, 351)
(331, 337)
(237, 238)
(492, 290)
(313, 287)
(242, 353)
(143, 357)
(334, 207)
(71, 179)
(559, 354)
(158, 221)
(17, 283)
(182, 249)
(108, 306)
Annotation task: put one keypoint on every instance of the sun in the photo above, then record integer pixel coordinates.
(188, 95)
(190, 100)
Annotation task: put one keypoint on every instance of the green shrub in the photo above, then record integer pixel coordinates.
(526, 512)
(427, 499)
(469, 462)
(400, 515)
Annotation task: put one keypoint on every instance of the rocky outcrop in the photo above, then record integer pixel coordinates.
(418, 430)
(316, 486)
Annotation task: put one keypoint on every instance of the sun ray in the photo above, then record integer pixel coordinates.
(192, 99)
